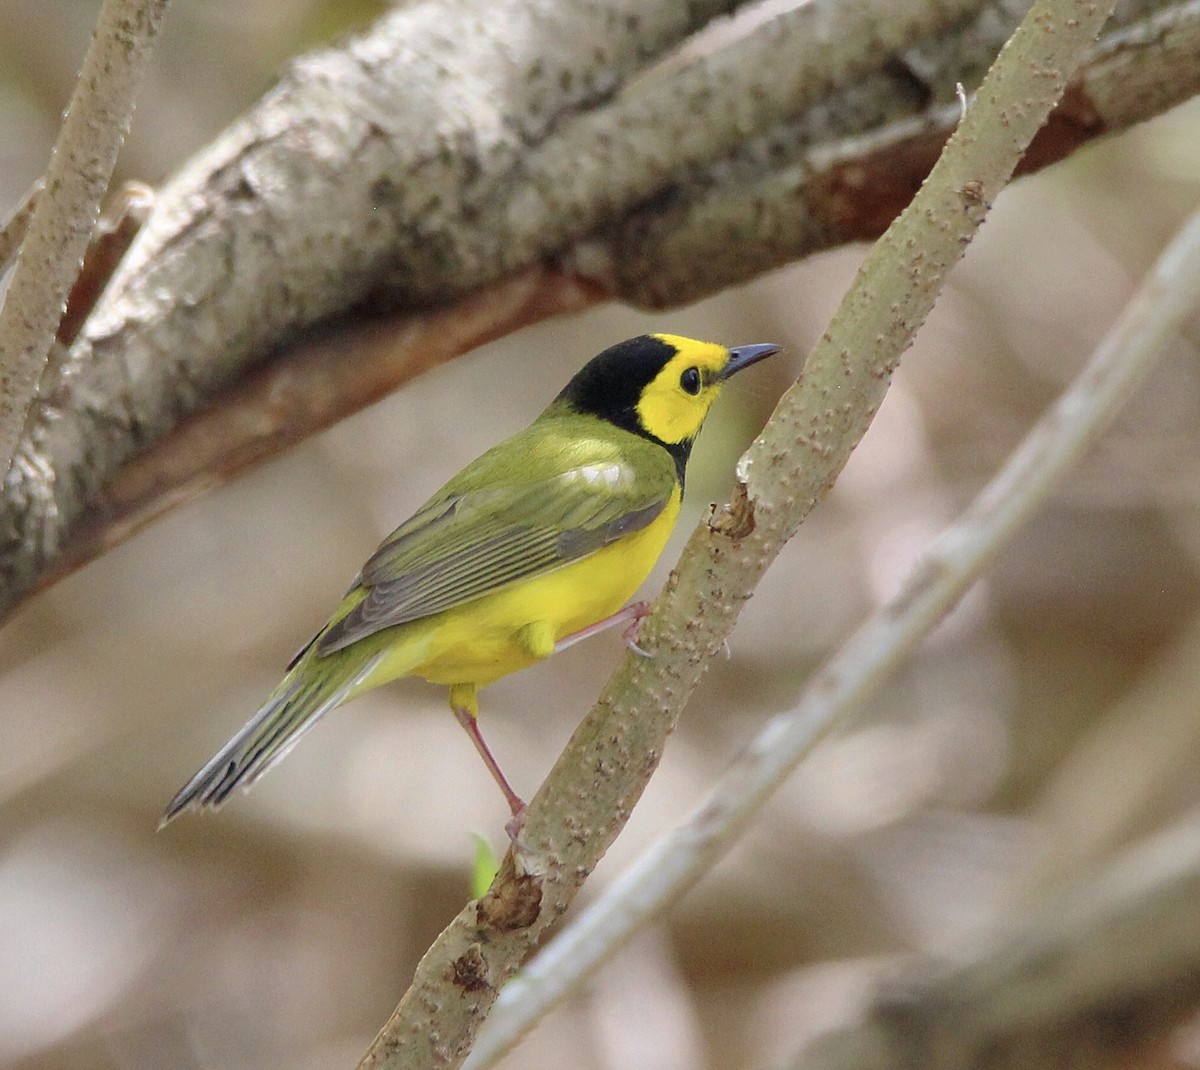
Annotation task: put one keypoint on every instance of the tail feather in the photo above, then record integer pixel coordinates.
(294, 707)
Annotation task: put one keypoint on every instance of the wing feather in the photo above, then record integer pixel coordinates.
(461, 546)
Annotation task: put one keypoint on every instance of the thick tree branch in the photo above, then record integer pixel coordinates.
(723, 223)
(665, 872)
(113, 235)
(585, 801)
(66, 211)
(807, 53)
(400, 130)
(826, 187)
(323, 380)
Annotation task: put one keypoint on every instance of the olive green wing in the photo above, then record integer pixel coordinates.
(465, 544)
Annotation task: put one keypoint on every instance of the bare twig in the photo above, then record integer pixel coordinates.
(671, 866)
(76, 178)
(586, 799)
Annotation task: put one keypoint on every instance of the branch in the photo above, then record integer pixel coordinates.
(828, 187)
(322, 381)
(109, 243)
(668, 869)
(402, 130)
(718, 224)
(585, 801)
(809, 51)
(66, 211)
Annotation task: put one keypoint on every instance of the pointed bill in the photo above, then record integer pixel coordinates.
(743, 356)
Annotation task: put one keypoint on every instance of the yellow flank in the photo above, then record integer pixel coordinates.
(483, 640)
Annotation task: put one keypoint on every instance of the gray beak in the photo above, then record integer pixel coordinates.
(743, 356)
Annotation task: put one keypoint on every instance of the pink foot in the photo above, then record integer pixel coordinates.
(632, 615)
(640, 610)
(514, 825)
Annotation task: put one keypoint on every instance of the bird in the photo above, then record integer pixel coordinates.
(538, 543)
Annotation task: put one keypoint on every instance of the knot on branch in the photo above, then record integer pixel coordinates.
(469, 971)
(512, 902)
(736, 520)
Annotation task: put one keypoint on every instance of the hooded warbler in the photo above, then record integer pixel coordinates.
(534, 545)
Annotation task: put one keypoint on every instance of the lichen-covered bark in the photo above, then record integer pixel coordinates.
(455, 142)
(355, 175)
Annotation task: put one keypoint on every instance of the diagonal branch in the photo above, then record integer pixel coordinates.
(322, 380)
(848, 184)
(586, 799)
(1143, 334)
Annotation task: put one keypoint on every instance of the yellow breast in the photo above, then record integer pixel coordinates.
(489, 637)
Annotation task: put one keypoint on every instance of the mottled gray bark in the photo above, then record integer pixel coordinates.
(453, 143)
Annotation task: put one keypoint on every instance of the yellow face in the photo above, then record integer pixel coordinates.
(673, 405)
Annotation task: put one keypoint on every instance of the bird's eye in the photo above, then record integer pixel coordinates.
(690, 380)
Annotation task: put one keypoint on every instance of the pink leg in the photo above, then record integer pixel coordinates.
(632, 615)
(515, 803)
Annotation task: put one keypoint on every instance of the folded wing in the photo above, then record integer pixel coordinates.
(461, 546)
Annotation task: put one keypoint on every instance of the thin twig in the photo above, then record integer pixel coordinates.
(1150, 322)
(586, 799)
(77, 176)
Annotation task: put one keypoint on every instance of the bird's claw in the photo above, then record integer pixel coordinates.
(514, 825)
(641, 611)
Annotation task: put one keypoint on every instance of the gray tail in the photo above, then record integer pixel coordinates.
(293, 708)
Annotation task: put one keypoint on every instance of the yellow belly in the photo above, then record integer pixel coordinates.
(516, 626)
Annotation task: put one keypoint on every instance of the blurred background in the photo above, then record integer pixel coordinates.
(1049, 721)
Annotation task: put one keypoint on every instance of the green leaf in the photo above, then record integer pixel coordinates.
(487, 865)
